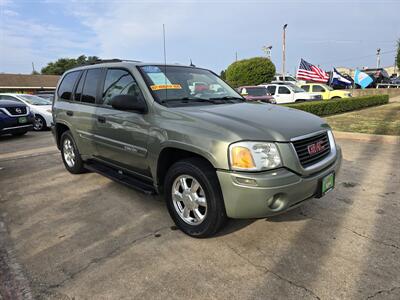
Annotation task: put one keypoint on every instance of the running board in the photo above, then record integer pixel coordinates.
(121, 177)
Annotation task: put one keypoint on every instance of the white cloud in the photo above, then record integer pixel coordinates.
(24, 40)
(9, 13)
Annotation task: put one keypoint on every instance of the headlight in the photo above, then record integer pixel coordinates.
(254, 156)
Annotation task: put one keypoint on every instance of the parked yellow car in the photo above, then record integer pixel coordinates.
(325, 91)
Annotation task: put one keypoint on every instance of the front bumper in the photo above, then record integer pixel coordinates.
(275, 191)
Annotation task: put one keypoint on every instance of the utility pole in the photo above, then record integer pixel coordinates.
(33, 68)
(235, 55)
(284, 52)
(378, 58)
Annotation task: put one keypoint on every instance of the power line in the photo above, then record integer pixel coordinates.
(358, 57)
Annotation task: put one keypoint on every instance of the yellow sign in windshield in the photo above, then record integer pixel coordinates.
(166, 87)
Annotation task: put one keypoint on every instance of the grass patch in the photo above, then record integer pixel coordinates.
(384, 119)
(331, 107)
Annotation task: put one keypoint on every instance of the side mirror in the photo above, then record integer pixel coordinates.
(129, 103)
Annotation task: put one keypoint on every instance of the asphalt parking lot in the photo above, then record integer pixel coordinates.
(85, 236)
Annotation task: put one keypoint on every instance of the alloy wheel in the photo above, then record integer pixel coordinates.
(69, 153)
(189, 200)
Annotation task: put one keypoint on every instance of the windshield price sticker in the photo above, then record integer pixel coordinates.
(166, 87)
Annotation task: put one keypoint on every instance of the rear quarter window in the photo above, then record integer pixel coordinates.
(67, 85)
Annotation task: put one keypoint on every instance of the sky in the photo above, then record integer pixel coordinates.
(210, 33)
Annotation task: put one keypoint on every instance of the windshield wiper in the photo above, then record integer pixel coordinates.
(227, 98)
(192, 99)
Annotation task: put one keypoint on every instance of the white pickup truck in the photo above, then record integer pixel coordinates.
(289, 93)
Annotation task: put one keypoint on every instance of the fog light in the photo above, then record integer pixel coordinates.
(246, 181)
(276, 202)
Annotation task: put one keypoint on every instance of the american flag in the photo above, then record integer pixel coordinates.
(310, 72)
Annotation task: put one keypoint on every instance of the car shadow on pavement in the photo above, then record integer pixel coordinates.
(302, 266)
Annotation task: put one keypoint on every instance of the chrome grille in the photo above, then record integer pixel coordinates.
(16, 111)
(302, 148)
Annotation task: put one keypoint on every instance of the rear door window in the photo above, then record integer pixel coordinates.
(318, 89)
(79, 88)
(283, 90)
(67, 85)
(92, 81)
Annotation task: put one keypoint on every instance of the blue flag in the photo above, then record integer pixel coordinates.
(338, 79)
(362, 79)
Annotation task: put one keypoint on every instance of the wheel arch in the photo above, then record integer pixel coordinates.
(171, 154)
(59, 129)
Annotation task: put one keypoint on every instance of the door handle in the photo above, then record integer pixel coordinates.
(101, 119)
(70, 113)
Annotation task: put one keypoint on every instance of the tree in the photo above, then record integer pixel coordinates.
(222, 75)
(252, 71)
(63, 64)
(398, 55)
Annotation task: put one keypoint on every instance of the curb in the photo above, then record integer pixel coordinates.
(369, 138)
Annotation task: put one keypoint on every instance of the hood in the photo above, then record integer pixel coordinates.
(41, 108)
(256, 121)
(11, 103)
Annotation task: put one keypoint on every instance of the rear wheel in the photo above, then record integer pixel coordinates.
(194, 197)
(70, 154)
(336, 97)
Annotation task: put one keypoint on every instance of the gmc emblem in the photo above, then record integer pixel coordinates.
(315, 148)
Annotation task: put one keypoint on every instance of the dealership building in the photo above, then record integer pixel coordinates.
(21, 83)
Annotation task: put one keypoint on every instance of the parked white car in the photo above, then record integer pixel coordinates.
(40, 107)
(278, 78)
(289, 93)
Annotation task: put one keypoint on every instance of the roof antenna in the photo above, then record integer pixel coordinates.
(191, 64)
(165, 62)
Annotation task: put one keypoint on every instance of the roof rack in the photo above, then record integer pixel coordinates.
(113, 60)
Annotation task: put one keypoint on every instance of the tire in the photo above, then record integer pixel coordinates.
(39, 123)
(19, 133)
(210, 210)
(70, 154)
(336, 97)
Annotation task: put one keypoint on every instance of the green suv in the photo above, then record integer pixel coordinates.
(183, 132)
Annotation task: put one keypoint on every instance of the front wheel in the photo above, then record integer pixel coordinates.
(39, 124)
(194, 197)
(70, 154)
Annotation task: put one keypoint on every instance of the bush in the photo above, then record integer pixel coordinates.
(330, 107)
(251, 71)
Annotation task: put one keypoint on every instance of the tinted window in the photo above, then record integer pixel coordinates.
(67, 85)
(119, 82)
(90, 86)
(318, 88)
(283, 90)
(79, 88)
(306, 88)
(271, 89)
(4, 97)
(261, 91)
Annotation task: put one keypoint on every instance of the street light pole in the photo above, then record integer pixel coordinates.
(378, 58)
(284, 52)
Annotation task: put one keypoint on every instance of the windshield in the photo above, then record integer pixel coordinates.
(187, 84)
(295, 88)
(34, 100)
(261, 91)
